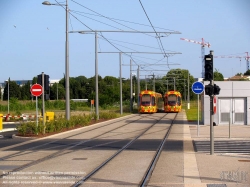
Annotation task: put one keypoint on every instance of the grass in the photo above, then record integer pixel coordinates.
(192, 112)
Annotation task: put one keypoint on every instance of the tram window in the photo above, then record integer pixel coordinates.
(145, 100)
(153, 101)
(172, 99)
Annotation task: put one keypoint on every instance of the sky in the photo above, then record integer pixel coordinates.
(32, 37)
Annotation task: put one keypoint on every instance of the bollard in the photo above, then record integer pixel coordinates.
(229, 127)
(50, 116)
(1, 122)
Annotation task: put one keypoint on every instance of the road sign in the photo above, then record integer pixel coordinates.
(36, 90)
(197, 87)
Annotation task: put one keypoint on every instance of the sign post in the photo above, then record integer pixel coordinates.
(198, 88)
(36, 90)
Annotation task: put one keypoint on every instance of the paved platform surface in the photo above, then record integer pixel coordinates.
(227, 166)
(196, 166)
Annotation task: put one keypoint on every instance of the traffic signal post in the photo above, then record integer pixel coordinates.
(211, 89)
(43, 80)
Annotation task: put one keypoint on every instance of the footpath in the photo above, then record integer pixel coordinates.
(227, 166)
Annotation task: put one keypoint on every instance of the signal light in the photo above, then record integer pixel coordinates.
(216, 89)
(209, 90)
(39, 79)
(209, 74)
(46, 81)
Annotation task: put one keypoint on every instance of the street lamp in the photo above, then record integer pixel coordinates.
(67, 97)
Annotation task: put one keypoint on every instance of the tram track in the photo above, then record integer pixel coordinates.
(61, 151)
(151, 166)
(2, 149)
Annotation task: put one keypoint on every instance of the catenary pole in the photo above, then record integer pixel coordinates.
(120, 67)
(96, 79)
(67, 111)
(131, 88)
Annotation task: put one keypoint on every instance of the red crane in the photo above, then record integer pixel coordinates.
(203, 45)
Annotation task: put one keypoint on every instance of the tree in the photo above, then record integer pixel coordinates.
(247, 72)
(14, 90)
(218, 76)
(57, 90)
(238, 74)
(25, 91)
(179, 78)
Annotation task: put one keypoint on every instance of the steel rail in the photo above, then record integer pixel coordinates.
(58, 153)
(156, 157)
(80, 182)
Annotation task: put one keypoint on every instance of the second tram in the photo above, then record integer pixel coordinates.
(150, 102)
(172, 101)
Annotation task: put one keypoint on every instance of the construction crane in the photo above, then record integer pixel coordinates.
(203, 45)
(247, 57)
(247, 60)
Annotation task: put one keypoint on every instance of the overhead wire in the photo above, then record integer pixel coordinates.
(109, 18)
(125, 21)
(158, 37)
(100, 35)
(101, 22)
(138, 44)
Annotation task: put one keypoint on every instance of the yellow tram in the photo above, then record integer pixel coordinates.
(150, 102)
(172, 101)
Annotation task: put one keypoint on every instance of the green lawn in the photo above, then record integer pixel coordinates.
(192, 113)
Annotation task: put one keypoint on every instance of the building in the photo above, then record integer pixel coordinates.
(232, 104)
(239, 78)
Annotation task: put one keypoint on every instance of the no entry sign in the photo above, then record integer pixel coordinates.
(36, 90)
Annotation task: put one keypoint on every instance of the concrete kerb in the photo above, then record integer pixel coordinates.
(58, 134)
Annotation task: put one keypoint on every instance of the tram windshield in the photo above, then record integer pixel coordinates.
(171, 100)
(145, 100)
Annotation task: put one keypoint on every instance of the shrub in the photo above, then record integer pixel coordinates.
(61, 123)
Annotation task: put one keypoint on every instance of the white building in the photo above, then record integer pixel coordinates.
(232, 104)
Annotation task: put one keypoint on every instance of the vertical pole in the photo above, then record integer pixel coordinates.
(67, 111)
(36, 116)
(131, 88)
(8, 95)
(138, 86)
(211, 118)
(96, 80)
(56, 91)
(146, 86)
(174, 83)
(229, 125)
(134, 93)
(188, 104)
(43, 103)
(185, 94)
(120, 59)
(211, 126)
(198, 125)
(153, 82)
(167, 85)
